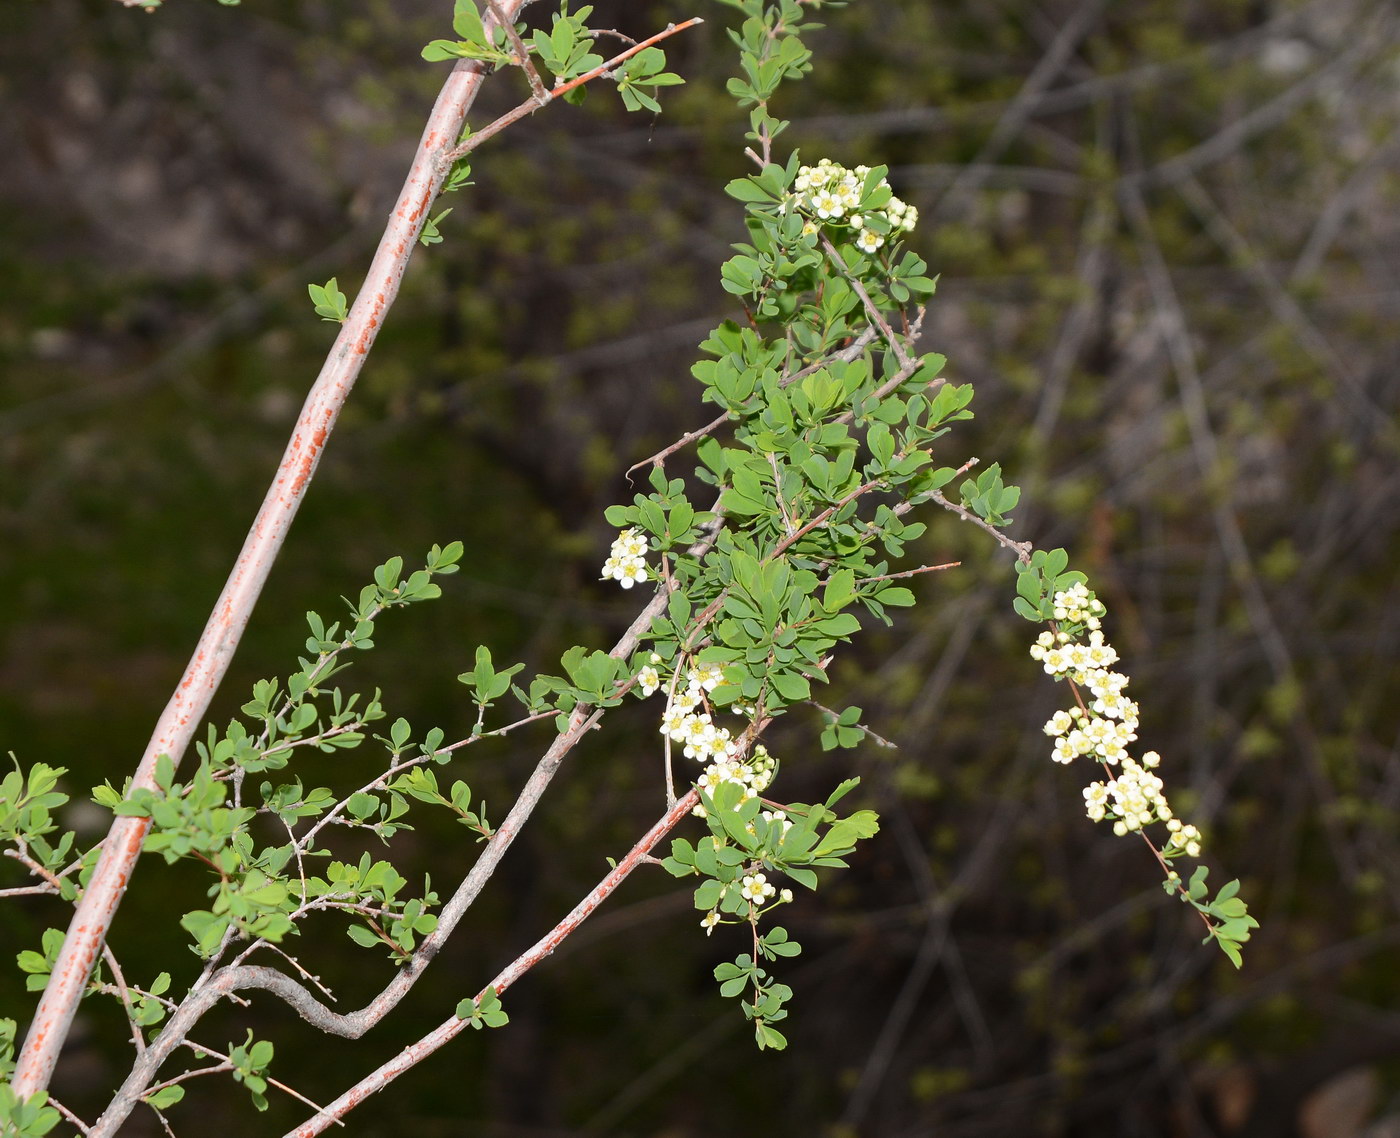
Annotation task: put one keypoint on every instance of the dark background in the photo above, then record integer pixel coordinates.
(1199, 399)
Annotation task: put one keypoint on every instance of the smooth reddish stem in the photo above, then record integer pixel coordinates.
(190, 702)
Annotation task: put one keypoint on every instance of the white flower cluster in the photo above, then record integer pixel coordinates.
(754, 776)
(828, 193)
(685, 720)
(688, 721)
(1102, 730)
(626, 562)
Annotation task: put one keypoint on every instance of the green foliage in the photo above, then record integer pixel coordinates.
(165, 1097)
(38, 965)
(566, 51)
(484, 1011)
(842, 730)
(25, 1118)
(473, 41)
(770, 51)
(988, 498)
(567, 48)
(261, 890)
(1039, 579)
(431, 235)
(371, 889)
(423, 785)
(329, 301)
(641, 76)
(27, 803)
(250, 1061)
(1230, 920)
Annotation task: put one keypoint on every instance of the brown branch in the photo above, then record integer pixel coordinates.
(21, 854)
(876, 316)
(530, 106)
(415, 1053)
(602, 69)
(845, 355)
(215, 985)
(911, 572)
(521, 51)
(190, 701)
(1022, 549)
(879, 739)
(227, 1065)
(596, 32)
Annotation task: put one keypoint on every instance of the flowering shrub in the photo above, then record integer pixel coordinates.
(830, 434)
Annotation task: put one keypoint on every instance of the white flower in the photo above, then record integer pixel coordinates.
(868, 241)
(673, 723)
(710, 921)
(626, 563)
(778, 816)
(707, 676)
(1059, 723)
(649, 679)
(756, 889)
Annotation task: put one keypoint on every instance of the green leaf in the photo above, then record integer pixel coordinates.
(747, 190)
(165, 1097)
(439, 50)
(466, 21)
(708, 894)
(791, 686)
(770, 1037)
(364, 937)
(1026, 610)
(328, 299)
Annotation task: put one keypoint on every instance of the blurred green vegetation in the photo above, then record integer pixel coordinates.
(1200, 400)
